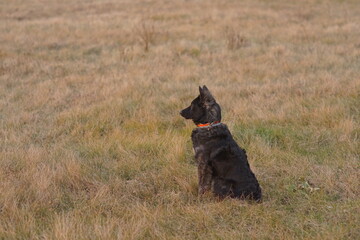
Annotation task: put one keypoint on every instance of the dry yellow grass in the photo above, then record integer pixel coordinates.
(92, 145)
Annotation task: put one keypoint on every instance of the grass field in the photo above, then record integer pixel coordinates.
(92, 145)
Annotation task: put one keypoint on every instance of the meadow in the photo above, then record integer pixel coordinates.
(92, 145)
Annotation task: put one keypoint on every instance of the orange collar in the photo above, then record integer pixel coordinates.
(207, 124)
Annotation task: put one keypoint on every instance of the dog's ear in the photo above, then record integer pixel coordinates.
(205, 95)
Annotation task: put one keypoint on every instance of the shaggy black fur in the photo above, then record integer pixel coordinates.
(222, 164)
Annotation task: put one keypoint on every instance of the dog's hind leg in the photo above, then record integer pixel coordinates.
(222, 187)
(250, 191)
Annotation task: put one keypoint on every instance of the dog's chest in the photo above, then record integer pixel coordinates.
(199, 152)
(200, 145)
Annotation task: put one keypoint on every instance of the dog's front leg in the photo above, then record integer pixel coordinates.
(205, 175)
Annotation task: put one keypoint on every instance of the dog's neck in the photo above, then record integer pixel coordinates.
(207, 125)
(202, 135)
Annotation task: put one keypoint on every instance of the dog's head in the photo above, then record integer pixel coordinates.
(203, 109)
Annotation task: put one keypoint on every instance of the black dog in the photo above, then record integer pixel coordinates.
(222, 164)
